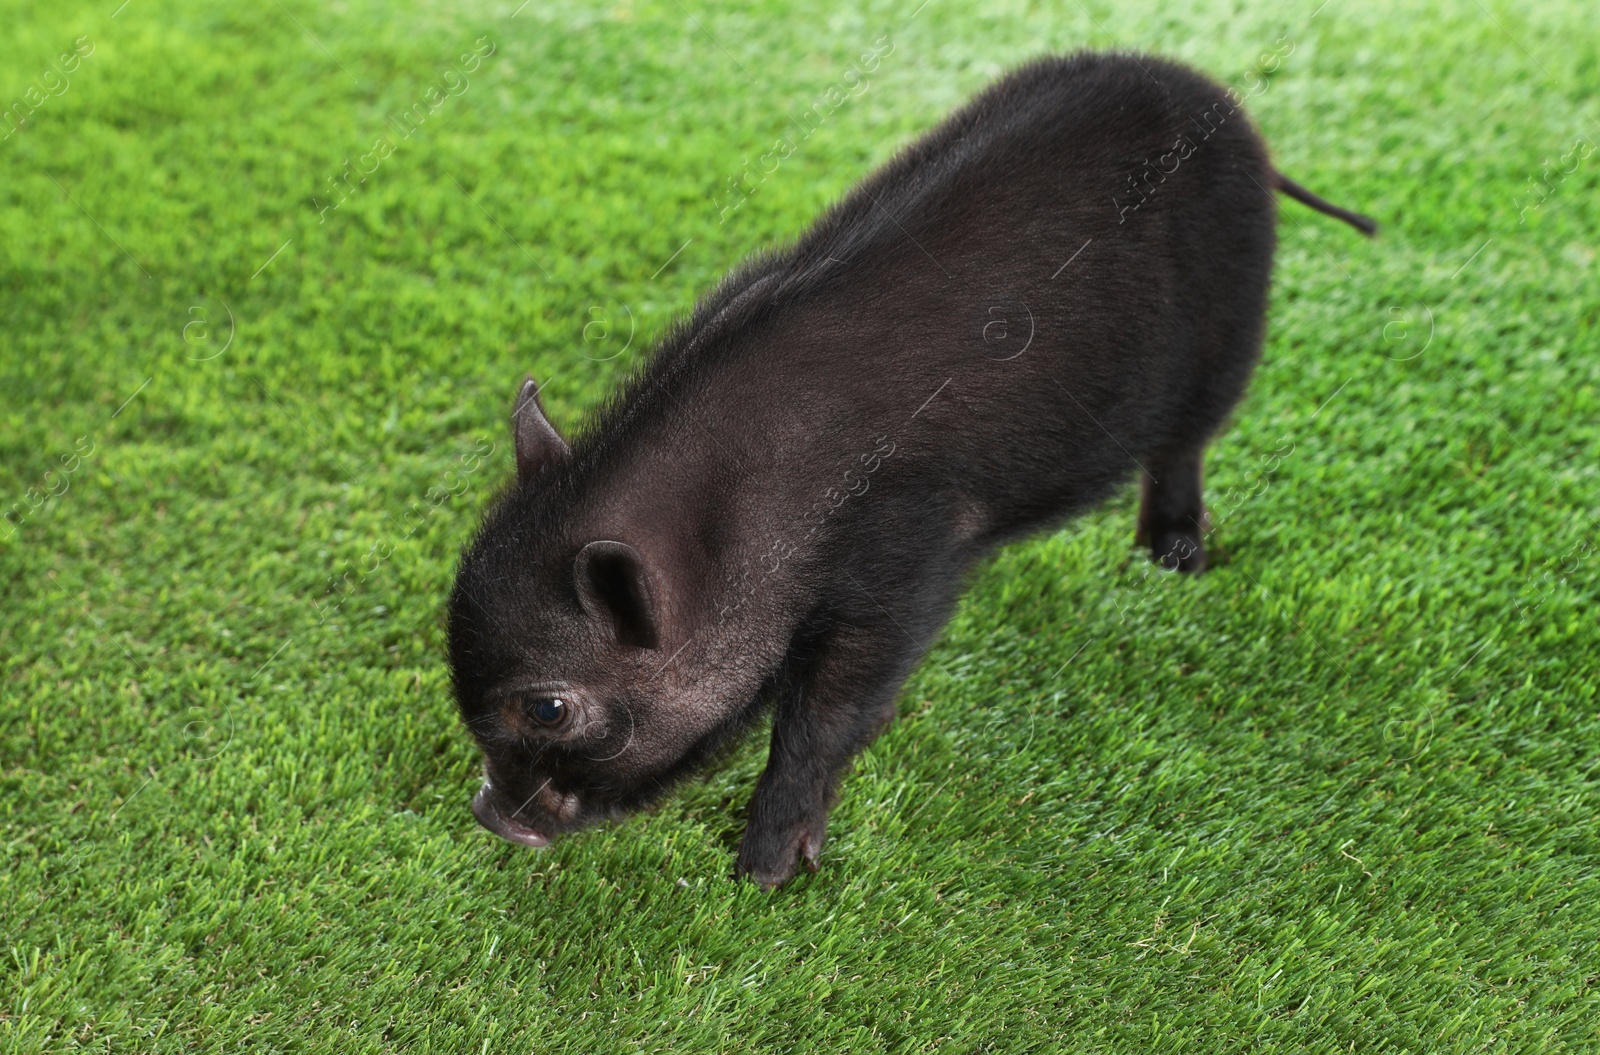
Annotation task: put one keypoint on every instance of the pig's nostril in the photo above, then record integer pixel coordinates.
(483, 808)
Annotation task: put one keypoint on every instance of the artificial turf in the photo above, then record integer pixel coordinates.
(1338, 794)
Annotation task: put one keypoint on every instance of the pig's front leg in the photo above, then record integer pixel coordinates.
(832, 709)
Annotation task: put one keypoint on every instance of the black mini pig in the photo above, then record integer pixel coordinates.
(1060, 287)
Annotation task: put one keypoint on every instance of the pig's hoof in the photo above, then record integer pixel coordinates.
(1179, 551)
(772, 860)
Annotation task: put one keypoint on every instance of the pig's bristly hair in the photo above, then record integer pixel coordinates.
(688, 348)
(1157, 331)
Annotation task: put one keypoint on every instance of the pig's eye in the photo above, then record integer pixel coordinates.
(548, 711)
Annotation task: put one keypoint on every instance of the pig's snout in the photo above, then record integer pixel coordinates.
(490, 817)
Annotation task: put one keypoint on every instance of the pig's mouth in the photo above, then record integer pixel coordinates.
(490, 817)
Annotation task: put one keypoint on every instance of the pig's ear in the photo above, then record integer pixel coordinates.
(537, 441)
(615, 588)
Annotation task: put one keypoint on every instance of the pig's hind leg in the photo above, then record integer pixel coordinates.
(1172, 513)
(1225, 298)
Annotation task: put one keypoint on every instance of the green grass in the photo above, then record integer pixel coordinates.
(1340, 794)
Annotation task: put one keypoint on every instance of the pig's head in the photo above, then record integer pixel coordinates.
(557, 647)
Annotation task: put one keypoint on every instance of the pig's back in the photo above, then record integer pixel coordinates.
(993, 304)
(985, 304)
